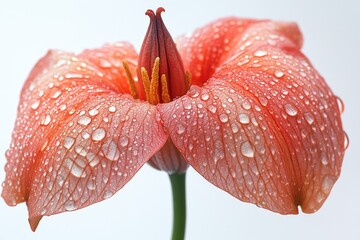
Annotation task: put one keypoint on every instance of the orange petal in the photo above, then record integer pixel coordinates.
(265, 127)
(77, 139)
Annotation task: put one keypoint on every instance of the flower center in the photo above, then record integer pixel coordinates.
(159, 56)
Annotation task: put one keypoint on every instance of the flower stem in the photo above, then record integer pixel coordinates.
(179, 201)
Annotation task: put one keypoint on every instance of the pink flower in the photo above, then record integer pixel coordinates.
(255, 119)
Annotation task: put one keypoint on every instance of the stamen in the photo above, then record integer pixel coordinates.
(146, 82)
(165, 97)
(131, 81)
(154, 97)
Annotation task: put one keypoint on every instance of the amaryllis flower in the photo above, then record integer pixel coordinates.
(237, 100)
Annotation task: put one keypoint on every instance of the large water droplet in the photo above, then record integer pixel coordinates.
(112, 109)
(111, 150)
(327, 184)
(92, 159)
(308, 117)
(205, 96)
(278, 73)
(93, 112)
(98, 134)
(247, 149)
(124, 141)
(223, 118)
(212, 108)
(260, 53)
(84, 120)
(75, 169)
(244, 118)
(70, 206)
(80, 150)
(180, 129)
(35, 104)
(69, 142)
(340, 104)
(290, 109)
(46, 120)
(246, 105)
(55, 94)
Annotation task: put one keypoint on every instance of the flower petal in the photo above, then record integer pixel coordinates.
(265, 127)
(76, 140)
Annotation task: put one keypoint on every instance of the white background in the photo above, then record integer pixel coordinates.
(143, 208)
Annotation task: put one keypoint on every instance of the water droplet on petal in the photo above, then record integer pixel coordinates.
(180, 129)
(340, 104)
(223, 118)
(92, 159)
(278, 73)
(111, 150)
(105, 63)
(91, 185)
(84, 120)
(205, 96)
(93, 112)
(346, 141)
(35, 104)
(247, 149)
(73, 75)
(80, 150)
(308, 117)
(212, 108)
(246, 105)
(290, 109)
(124, 141)
(327, 184)
(46, 120)
(244, 118)
(98, 134)
(107, 194)
(112, 109)
(263, 101)
(69, 142)
(260, 53)
(56, 94)
(70, 206)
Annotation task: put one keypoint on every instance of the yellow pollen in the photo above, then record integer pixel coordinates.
(131, 81)
(165, 97)
(146, 82)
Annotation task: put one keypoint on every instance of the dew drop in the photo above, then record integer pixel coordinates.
(327, 184)
(56, 94)
(80, 150)
(84, 120)
(205, 96)
(75, 169)
(223, 118)
(260, 53)
(246, 105)
(93, 112)
(91, 185)
(70, 206)
(212, 108)
(187, 106)
(62, 107)
(35, 104)
(124, 141)
(98, 134)
(73, 75)
(112, 109)
(346, 141)
(247, 149)
(69, 142)
(180, 129)
(107, 194)
(194, 91)
(278, 73)
(92, 159)
(263, 101)
(290, 109)
(244, 118)
(324, 160)
(308, 117)
(340, 104)
(46, 120)
(111, 150)
(85, 135)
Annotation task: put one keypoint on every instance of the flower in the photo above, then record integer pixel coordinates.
(256, 119)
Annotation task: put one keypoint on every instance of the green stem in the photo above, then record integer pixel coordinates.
(179, 201)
